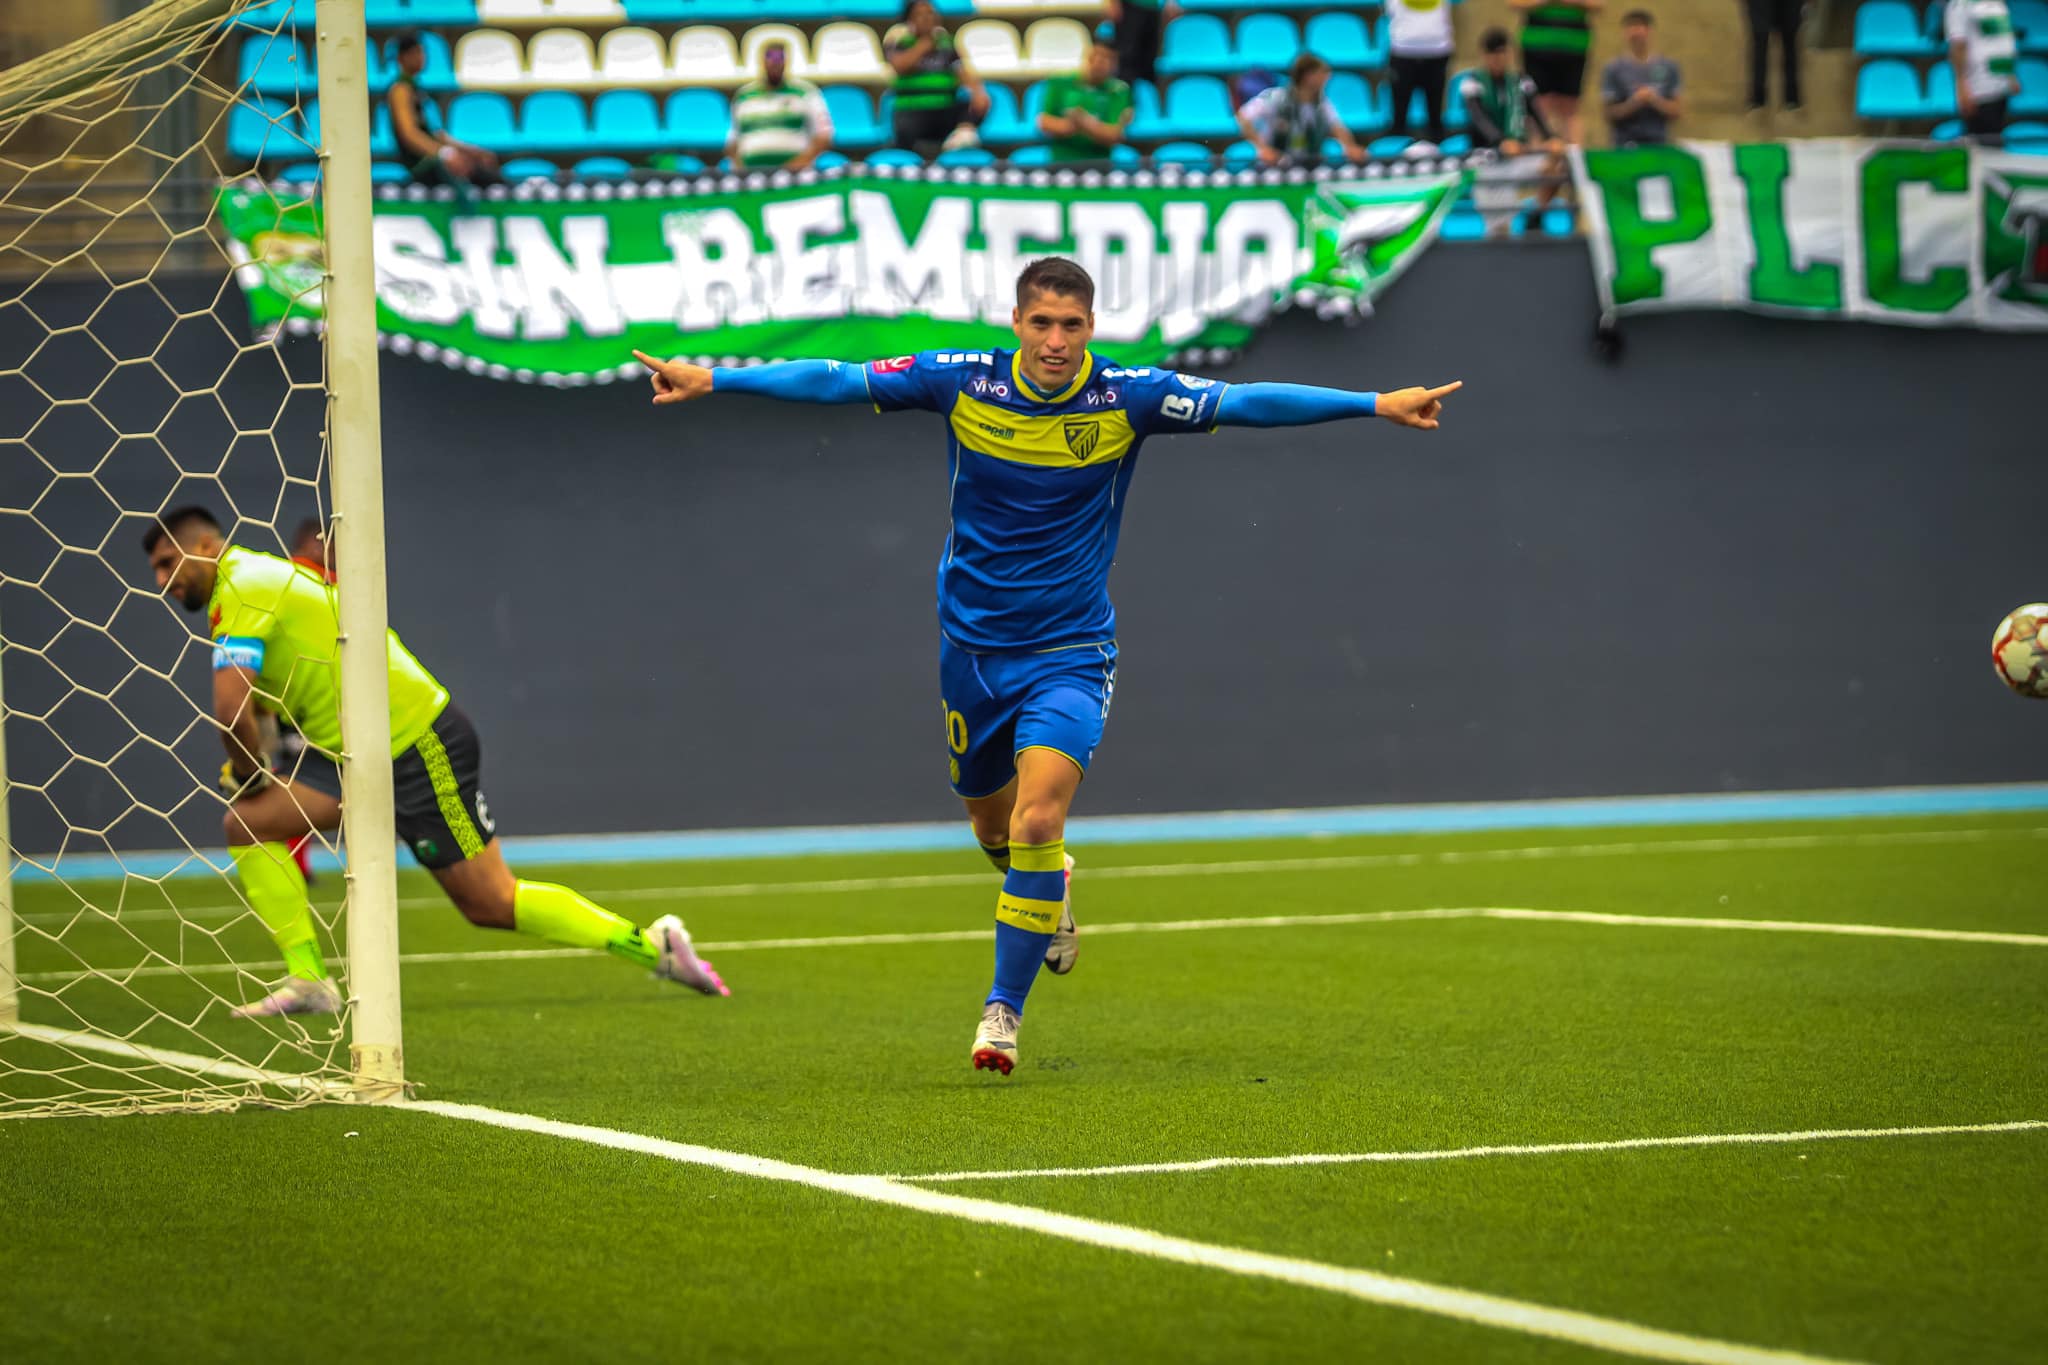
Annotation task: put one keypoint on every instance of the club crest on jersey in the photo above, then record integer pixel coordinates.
(1081, 437)
(896, 366)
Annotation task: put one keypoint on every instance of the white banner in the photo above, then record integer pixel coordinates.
(1926, 235)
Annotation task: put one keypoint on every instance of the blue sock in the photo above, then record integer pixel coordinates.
(1027, 913)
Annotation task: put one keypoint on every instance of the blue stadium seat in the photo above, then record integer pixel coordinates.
(968, 156)
(388, 173)
(2030, 20)
(853, 118)
(894, 156)
(528, 168)
(1390, 146)
(555, 121)
(1181, 153)
(277, 15)
(1457, 144)
(2032, 100)
(1267, 40)
(698, 118)
(626, 120)
(1949, 130)
(261, 128)
(1888, 89)
(275, 65)
(419, 13)
(1890, 28)
(483, 118)
(1149, 122)
(1198, 107)
(1240, 155)
(1197, 42)
(383, 142)
(1005, 122)
(2026, 135)
(1353, 100)
(1041, 155)
(1463, 224)
(299, 173)
(604, 167)
(831, 160)
(1341, 40)
(1941, 92)
(660, 11)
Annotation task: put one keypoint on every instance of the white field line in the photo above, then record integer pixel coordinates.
(1487, 1310)
(1218, 1163)
(1239, 867)
(166, 1057)
(1182, 926)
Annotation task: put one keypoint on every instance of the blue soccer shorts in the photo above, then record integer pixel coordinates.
(998, 705)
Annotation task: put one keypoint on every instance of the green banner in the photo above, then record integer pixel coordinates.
(1929, 235)
(558, 284)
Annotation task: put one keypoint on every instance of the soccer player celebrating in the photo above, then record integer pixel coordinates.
(1042, 442)
(273, 627)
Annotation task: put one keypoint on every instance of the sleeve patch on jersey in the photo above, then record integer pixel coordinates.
(896, 366)
(238, 651)
(1189, 381)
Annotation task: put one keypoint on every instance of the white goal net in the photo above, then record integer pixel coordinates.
(131, 384)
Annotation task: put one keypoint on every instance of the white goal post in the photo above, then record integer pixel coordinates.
(131, 383)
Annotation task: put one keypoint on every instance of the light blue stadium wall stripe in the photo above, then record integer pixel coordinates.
(1196, 827)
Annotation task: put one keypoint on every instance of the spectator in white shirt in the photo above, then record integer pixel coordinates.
(1419, 57)
(1985, 55)
(1291, 122)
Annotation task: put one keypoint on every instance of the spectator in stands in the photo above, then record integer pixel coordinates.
(1419, 54)
(1985, 55)
(931, 82)
(1500, 105)
(1557, 38)
(1140, 27)
(1291, 122)
(778, 123)
(1086, 115)
(1640, 88)
(433, 157)
(1767, 17)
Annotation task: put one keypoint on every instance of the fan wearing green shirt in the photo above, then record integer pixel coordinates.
(274, 631)
(1085, 115)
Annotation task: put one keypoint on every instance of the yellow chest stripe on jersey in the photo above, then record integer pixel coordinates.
(1052, 441)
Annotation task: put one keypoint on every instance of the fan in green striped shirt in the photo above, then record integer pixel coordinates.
(778, 123)
(1557, 39)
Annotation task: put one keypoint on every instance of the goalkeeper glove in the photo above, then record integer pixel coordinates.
(236, 787)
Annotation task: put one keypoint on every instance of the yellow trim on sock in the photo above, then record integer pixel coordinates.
(1050, 857)
(1036, 917)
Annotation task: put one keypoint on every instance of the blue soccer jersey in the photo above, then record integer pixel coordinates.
(1038, 483)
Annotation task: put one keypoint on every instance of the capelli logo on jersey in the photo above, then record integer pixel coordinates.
(1000, 433)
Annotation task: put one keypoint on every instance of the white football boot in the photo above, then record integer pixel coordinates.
(1065, 948)
(679, 961)
(995, 1042)
(296, 995)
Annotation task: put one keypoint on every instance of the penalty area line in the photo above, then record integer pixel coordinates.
(1118, 928)
(1219, 1163)
(1487, 1310)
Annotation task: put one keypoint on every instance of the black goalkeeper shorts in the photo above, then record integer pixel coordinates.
(437, 804)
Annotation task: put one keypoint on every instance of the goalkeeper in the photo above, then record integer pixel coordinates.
(273, 627)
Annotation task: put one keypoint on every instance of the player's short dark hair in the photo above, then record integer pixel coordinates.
(1056, 275)
(312, 528)
(1306, 65)
(1638, 16)
(405, 41)
(175, 522)
(1494, 40)
(775, 45)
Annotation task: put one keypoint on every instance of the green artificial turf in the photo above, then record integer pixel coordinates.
(221, 1236)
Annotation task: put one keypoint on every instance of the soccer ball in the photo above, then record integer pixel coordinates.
(2020, 650)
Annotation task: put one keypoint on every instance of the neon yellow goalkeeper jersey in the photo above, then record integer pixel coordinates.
(277, 619)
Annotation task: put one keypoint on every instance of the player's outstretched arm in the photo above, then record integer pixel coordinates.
(1297, 405)
(798, 381)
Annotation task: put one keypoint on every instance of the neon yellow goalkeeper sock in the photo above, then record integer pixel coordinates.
(277, 893)
(560, 915)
